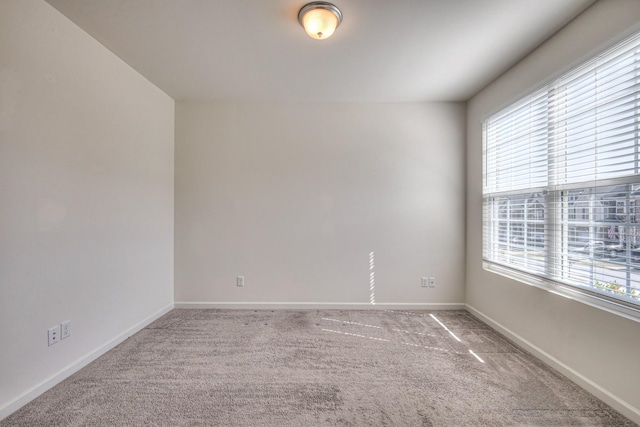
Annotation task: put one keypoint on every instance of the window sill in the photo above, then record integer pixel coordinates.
(566, 291)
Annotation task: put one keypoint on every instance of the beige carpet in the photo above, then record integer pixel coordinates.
(316, 368)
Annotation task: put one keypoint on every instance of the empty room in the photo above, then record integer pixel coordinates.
(301, 213)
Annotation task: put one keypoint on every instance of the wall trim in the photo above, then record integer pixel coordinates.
(321, 305)
(601, 393)
(13, 405)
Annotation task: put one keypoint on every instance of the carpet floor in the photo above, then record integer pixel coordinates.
(316, 368)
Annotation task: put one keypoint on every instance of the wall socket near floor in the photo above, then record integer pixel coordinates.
(428, 282)
(54, 335)
(65, 329)
(240, 281)
(59, 332)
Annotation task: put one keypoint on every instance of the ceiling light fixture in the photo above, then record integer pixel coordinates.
(319, 19)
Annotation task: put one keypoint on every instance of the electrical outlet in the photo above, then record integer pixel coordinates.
(424, 282)
(65, 329)
(54, 335)
(432, 282)
(240, 281)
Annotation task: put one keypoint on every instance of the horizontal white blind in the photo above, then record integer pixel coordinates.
(561, 178)
(594, 119)
(516, 146)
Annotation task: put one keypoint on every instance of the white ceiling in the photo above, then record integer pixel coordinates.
(384, 50)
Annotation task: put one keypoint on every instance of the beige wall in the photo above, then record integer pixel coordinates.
(598, 349)
(86, 198)
(296, 196)
(292, 196)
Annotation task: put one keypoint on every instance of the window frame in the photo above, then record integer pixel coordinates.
(557, 218)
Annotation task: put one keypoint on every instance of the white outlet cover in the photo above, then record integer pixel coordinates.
(54, 335)
(65, 329)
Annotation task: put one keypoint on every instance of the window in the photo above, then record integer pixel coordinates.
(561, 193)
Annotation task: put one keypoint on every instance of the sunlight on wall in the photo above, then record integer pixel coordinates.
(372, 279)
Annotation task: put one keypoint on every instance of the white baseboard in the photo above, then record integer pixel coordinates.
(606, 396)
(319, 306)
(17, 403)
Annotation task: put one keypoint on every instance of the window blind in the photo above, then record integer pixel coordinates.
(561, 181)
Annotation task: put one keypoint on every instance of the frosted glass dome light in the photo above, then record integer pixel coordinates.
(320, 19)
